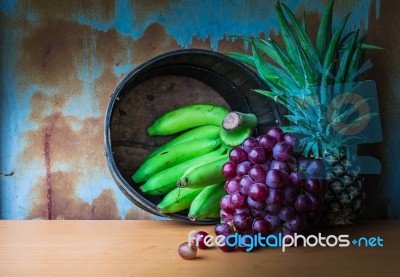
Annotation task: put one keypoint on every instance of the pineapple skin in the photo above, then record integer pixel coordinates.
(345, 195)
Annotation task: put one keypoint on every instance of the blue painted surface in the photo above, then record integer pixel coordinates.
(215, 19)
(183, 21)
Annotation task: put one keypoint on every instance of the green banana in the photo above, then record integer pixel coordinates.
(188, 117)
(236, 127)
(207, 131)
(178, 200)
(174, 155)
(204, 175)
(164, 181)
(206, 204)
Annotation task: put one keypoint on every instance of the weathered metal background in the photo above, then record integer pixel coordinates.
(61, 60)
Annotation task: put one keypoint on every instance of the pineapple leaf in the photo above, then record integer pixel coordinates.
(305, 42)
(315, 150)
(324, 31)
(356, 123)
(287, 35)
(296, 119)
(273, 74)
(288, 64)
(296, 129)
(370, 47)
(300, 121)
(308, 148)
(309, 70)
(304, 23)
(272, 95)
(346, 37)
(244, 58)
(353, 140)
(346, 58)
(346, 114)
(366, 66)
(306, 140)
(353, 65)
(266, 47)
(329, 61)
(282, 98)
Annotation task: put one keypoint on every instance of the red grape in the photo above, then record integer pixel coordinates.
(289, 195)
(243, 168)
(279, 165)
(242, 221)
(276, 178)
(244, 184)
(186, 251)
(292, 139)
(257, 155)
(316, 202)
(276, 133)
(287, 213)
(302, 203)
(258, 213)
(261, 226)
(282, 151)
(297, 179)
(237, 155)
(199, 239)
(312, 186)
(296, 224)
(275, 197)
(245, 210)
(229, 170)
(226, 217)
(223, 229)
(238, 200)
(274, 221)
(255, 205)
(267, 142)
(316, 169)
(273, 209)
(231, 186)
(266, 165)
(249, 144)
(225, 204)
(258, 191)
(258, 173)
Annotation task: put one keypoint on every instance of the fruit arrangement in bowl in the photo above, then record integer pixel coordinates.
(214, 169)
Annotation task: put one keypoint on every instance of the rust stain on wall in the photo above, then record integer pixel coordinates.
(70, 147)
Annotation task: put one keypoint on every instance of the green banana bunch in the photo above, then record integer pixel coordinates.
(202, 132)
(188, 117)
(204, 175)
(178, 200)
(207, 203)
(164, 181)
(174, 155)
(192, 161)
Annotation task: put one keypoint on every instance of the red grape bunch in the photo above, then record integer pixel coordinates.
(270, 187)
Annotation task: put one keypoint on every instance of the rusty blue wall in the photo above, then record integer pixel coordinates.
(60, 61)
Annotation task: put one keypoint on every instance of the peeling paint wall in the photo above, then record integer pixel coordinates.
(61, 60)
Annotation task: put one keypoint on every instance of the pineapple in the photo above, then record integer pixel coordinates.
(313, 82)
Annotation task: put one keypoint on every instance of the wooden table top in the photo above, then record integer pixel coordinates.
(138, 248)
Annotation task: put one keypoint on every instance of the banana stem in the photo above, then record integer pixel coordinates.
(235, 120)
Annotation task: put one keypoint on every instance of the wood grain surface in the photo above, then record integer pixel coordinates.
(149, 248)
